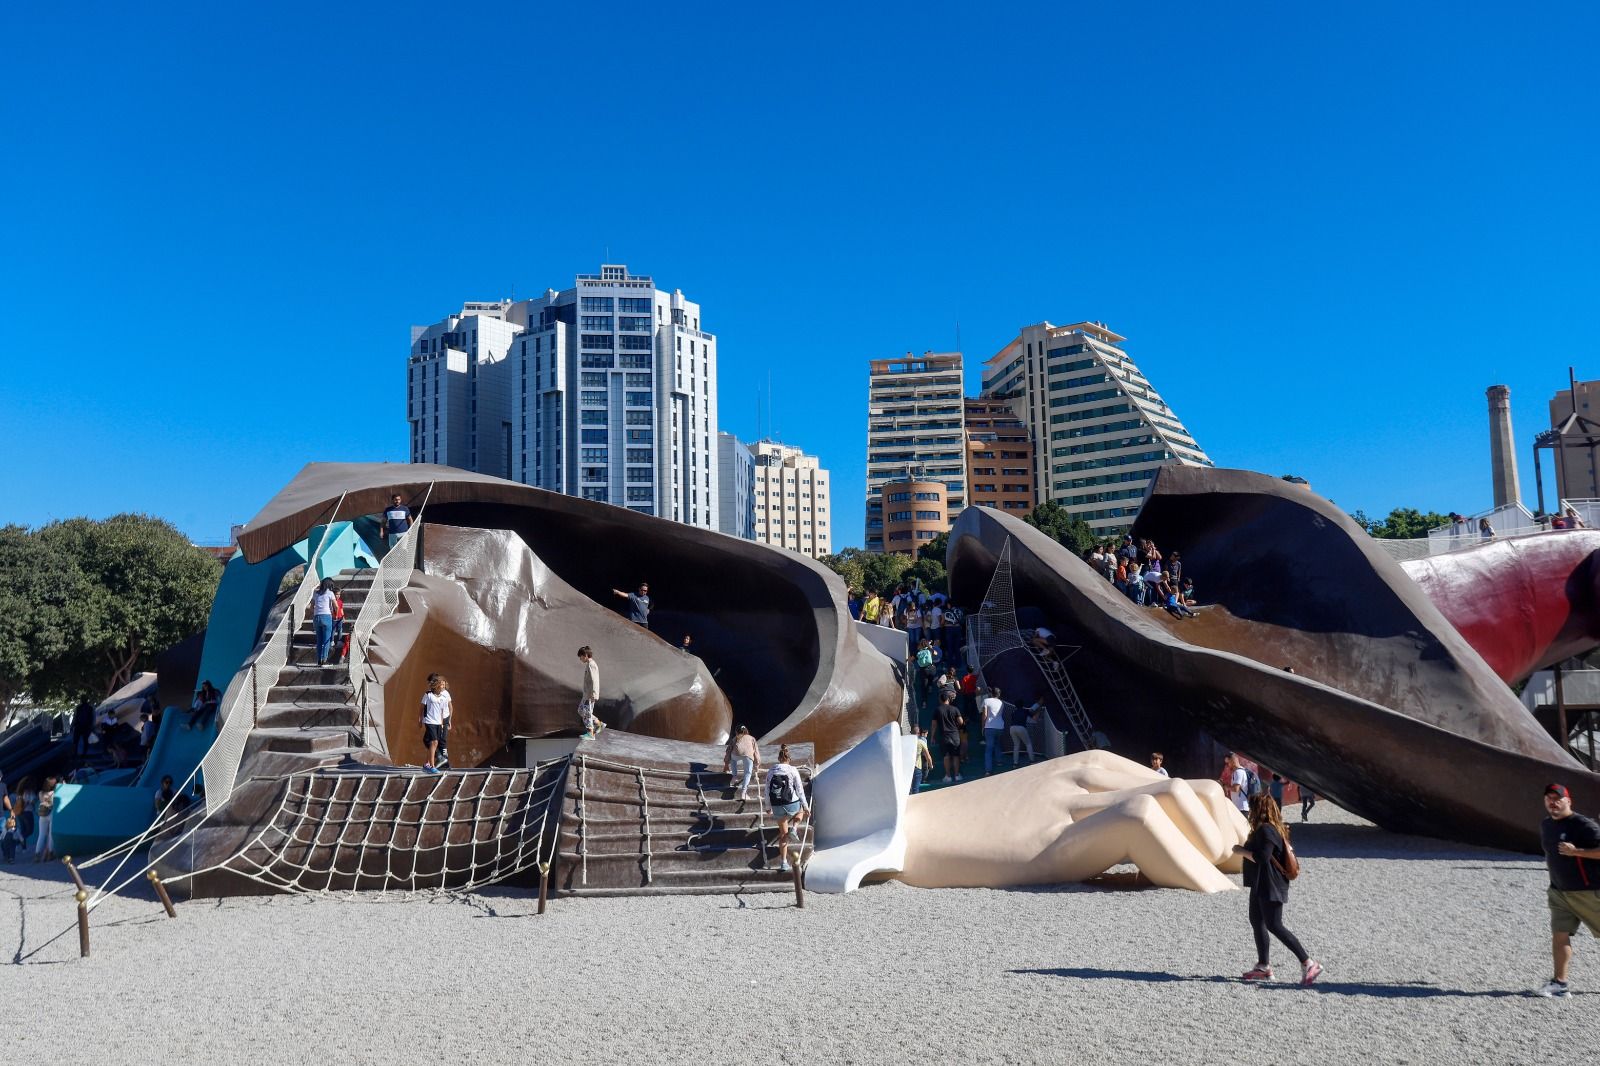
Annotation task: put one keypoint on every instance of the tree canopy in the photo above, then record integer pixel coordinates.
(1071, 532)
(1403, 523)
(84, 605)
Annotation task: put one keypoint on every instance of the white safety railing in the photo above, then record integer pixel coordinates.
(242, 702)
(393, 574)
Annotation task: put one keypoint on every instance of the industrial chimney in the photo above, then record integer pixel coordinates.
(1502, 454)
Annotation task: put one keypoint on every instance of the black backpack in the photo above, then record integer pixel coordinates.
(780, 789)
(1252, 785)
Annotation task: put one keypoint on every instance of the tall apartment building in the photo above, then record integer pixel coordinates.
(606, 390)
(914, 420)
(914, 513)
(999, 458)
(736, 470)
(1100, 430)
(790, 493)
(457, 366)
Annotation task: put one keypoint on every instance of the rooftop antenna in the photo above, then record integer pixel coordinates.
(772, 420)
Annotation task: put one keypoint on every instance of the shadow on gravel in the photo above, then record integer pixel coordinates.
(1380, 989)
(1335, 841)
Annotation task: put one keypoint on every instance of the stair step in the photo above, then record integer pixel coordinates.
(304, 741)
(309, 695)
(293, 675)
(291, 716)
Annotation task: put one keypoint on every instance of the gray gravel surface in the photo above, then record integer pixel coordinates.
(1430, 949)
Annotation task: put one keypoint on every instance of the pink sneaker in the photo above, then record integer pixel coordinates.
(1260, 973)
(1312, 972)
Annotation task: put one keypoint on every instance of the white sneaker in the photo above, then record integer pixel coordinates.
(784, 868)
(1554, 990)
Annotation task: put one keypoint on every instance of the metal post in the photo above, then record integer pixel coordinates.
(544, 885)
(82, 896)
(1561, 710)
(799, 885)
(1538, 476)
(161, 891)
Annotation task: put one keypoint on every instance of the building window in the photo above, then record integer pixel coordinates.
(636, 362)
(594, 473)
(637, 399)
(596, 494)
(592, 381)
(595, 323)
(639, 474)
(632, 325)
(592, 436)
(900, 516)
(641, 455)
(636, 344)
(596, 303)
(595, 362)
(630, 305)
(594, 418)
(641, 436)
(594, 399)
(641, 495)
(601, 341)
(639, 381)
(640, 418)
(593, 455)
(928, 516)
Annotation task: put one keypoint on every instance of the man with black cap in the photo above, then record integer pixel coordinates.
(1572, 852)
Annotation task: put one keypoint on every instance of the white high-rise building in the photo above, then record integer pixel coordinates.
(736, 469)
(606, 390)
(791, 498)
(1099, 429)
(915, 424)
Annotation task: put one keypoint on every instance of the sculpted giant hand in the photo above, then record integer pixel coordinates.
(1071, 819)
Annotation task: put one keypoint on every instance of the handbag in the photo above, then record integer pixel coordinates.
(1289, 867)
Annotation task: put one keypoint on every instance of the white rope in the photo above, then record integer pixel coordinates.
(301, 823)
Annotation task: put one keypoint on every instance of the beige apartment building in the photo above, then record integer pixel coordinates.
(999, 458)
(914, 512)
(789, 493)
(914, 422)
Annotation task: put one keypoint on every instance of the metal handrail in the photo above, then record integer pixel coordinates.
(393, 573)
(220, 765)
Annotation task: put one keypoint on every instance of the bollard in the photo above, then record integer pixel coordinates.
(161, 891)
(799, 885)
(544, 885)
(82, 896)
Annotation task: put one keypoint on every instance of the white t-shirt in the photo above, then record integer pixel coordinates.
(1162, 770)
(1241, 796)
(994, 713)
(322, 603)
(435, 708)
(935, 618)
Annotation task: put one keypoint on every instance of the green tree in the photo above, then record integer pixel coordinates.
(929, 569)
(868, 571)
(38, 588)
(141, 588)
(1053, 520)
(1403, 523)
(936, 548)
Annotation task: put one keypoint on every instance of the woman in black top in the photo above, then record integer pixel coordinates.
(1265, 854)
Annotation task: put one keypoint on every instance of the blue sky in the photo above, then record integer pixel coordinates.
(1325, 229)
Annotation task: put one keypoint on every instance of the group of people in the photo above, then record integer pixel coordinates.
(785, 787)
(28, 814)
(1140, 571)
(959, 709)
(921, 615)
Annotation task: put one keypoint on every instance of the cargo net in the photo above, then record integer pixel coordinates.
(993, 629)
(394, 831)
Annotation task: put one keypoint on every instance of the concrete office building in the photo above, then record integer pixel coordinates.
(606, 390)
(914, 512)
(791, 499)
(1100, 430)
(736, 469)
(914, 420)
(999, 458)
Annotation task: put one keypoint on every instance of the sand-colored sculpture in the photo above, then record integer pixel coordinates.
(1389, 710)
(1525, 603)
(1071, 819)
(490, 615)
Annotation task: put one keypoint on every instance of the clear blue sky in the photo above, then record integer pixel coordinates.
(1325, 229)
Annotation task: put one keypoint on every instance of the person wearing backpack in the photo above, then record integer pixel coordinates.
(1236, 783)
(786, 792)
(1269, 866)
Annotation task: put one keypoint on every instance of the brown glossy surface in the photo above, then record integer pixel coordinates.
(1390, 712)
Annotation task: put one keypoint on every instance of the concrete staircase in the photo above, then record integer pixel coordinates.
(644, 817)
(310, 717)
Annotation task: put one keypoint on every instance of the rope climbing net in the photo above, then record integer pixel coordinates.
(993, 628)
(388, 831)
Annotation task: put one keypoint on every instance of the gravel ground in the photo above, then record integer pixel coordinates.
(1430, 949)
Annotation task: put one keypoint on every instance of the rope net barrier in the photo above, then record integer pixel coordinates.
(397, 831)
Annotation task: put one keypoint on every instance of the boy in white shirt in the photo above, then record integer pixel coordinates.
(435, 711)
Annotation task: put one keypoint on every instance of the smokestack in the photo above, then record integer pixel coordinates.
(1502, 453)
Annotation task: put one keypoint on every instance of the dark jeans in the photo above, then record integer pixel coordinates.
(916, 781)
(1267, 917)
